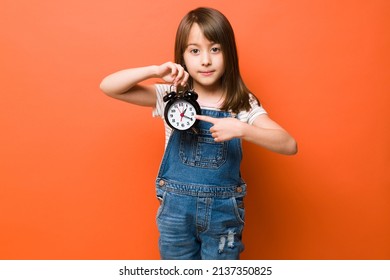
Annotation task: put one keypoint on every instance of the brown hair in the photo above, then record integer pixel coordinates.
(216, 28)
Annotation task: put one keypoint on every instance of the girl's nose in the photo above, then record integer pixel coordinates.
(206, 59)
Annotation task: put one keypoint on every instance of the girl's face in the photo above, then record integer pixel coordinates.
(203, 60)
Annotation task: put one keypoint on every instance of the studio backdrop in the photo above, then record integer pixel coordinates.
(77, 168)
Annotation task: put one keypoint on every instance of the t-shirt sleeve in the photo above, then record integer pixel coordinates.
(255, 111)
(158, 111)
(161, 89)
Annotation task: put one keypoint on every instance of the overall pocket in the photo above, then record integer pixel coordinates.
(160, 195)
(200, 150)
(239, 209)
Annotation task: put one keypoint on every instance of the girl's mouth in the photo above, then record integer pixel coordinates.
(206, 73)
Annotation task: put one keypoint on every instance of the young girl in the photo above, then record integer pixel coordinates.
(199, 185)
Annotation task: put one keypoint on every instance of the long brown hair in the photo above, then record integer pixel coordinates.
(216, 28)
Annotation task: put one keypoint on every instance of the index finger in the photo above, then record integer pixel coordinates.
(206, 119)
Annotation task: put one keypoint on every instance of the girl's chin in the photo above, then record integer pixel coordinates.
(206, 85)
(206, 82)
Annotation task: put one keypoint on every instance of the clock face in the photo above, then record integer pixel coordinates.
(181, 114)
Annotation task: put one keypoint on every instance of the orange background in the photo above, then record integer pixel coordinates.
(77, 168)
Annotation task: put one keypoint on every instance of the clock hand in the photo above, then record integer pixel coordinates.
(182, 114)
(187, 117)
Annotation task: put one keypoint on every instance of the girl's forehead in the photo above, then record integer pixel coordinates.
(196, 32)
(197, 36)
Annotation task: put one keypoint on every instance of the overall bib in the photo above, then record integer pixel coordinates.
(199, 185)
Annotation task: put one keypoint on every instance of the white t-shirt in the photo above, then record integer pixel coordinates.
(244, 116)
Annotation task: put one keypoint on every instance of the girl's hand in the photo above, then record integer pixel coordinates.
(223, 129)
(173, 73)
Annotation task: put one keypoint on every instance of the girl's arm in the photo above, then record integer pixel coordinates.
(125, 84)
(267, 133)
(263, 132)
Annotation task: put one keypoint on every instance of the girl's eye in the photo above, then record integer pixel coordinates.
(194, 51)
(215, 50)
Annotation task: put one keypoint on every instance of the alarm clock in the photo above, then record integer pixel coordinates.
(181, 109)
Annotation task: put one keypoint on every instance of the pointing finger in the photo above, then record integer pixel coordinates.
(206, 119)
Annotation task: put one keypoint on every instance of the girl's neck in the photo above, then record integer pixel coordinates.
(210, 97)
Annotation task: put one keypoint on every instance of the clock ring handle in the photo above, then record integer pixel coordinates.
(191, 94)
(169, 96)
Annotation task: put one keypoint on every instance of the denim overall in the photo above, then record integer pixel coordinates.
(199, 185)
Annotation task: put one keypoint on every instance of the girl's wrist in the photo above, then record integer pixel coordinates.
(243, 130)
(154, 71)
